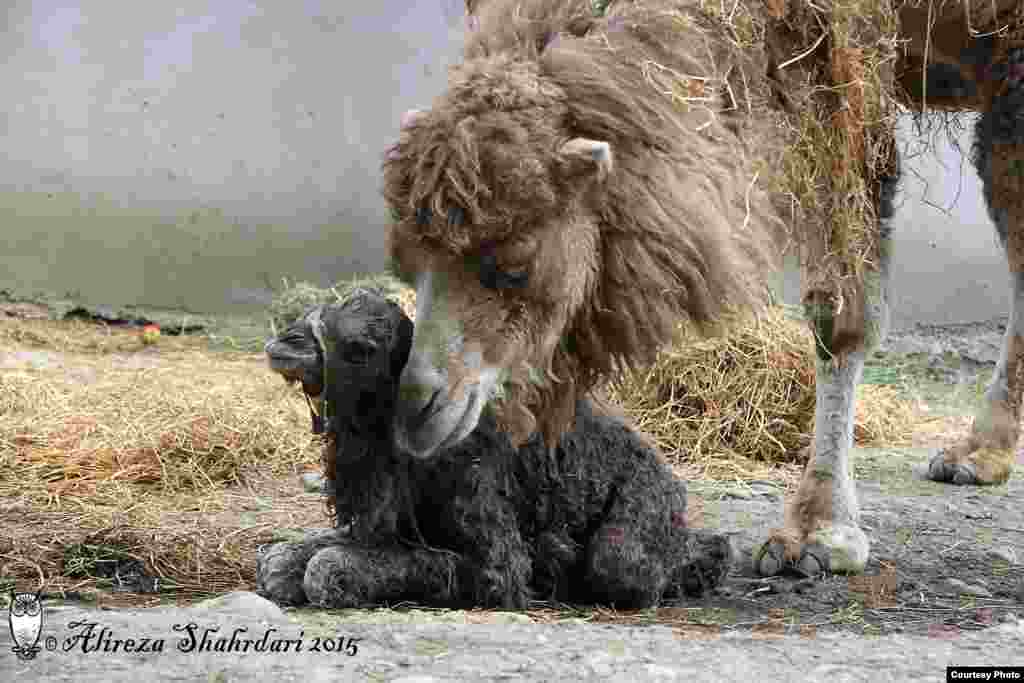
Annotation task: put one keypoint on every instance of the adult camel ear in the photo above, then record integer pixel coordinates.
(582, 157)
(409, 117)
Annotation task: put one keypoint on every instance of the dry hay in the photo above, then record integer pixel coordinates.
(296, 298)
(727, 405)
(79, 336)
(171, 454)
(884, 417)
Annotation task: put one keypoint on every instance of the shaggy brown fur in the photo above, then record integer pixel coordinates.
(613, 264)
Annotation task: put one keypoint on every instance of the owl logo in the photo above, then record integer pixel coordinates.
(26, 619)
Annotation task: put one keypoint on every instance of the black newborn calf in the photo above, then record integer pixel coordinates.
(599, 519)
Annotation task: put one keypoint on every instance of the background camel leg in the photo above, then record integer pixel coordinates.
(821, 530)
(986, 454)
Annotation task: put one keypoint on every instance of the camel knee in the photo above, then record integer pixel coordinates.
(861, 321)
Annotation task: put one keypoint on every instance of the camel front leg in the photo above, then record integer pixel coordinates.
(821, 530)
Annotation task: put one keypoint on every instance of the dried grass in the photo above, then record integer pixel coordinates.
(884, 417)
(172, 454)
(176, 455)
(729, 405)
(296, 298)
(79, 336)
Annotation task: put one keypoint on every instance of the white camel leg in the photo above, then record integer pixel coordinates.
(821, 531)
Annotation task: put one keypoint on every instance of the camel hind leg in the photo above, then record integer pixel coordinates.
(642, 549)
(986, 454)
(637, 557)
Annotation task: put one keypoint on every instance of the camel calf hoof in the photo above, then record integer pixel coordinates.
(961, 474)
(711, 557)
(280, 567)
(341, 577)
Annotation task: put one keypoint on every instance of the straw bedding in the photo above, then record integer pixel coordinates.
(727, 406)
(168, 454)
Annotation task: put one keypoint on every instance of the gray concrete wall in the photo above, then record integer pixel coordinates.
(948, 265)
(190, 154)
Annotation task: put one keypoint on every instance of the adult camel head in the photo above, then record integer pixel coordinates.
(558, 217)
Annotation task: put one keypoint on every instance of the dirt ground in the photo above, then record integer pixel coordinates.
(336, 648)
(944, 560)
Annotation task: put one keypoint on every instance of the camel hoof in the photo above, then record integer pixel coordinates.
(280, 567)
(814, 560)
(838, 549)
(965, 475)
(950, 472)
(937, 466)
(769, 560)
(339, 577)
(711, 558)
(279, 572)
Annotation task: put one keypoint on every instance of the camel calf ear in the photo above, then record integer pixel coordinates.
(586, 157)
(409, 117)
